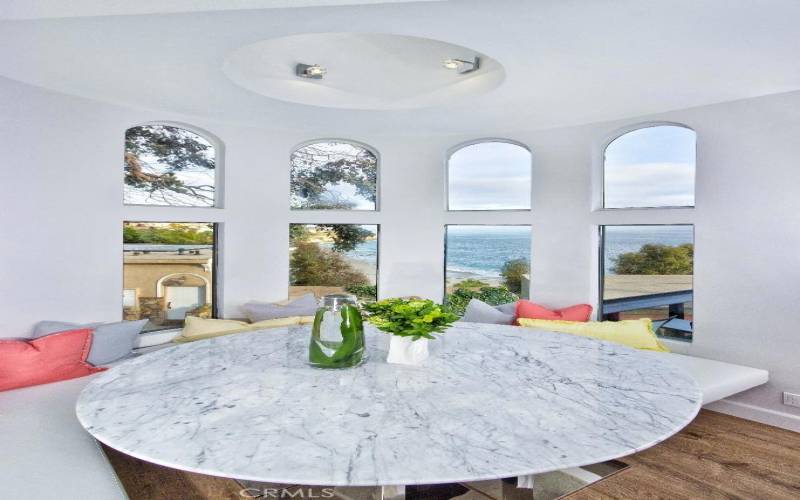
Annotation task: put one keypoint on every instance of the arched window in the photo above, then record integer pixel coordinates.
(489, 175)
(648, 167)
(167, 165)
(333, 175)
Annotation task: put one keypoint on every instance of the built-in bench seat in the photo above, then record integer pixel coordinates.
(717, 379)
(47, 454)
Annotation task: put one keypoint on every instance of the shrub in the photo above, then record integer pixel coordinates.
(493, 295)
(656, 259)
(312, 265)
(470, 283)
(369, 292)
(512, 273)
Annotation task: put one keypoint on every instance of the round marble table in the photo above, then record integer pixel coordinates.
(491, 402)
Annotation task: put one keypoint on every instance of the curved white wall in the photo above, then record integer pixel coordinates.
(61, 192)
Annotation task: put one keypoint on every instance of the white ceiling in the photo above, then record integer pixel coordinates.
(566, 61)
(43, 9)
(365, 70)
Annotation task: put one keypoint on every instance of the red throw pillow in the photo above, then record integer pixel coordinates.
(527, 309)
(59, 356)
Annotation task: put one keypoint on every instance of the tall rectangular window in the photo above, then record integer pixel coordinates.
(647, 272)
(333, 258)
(490, 263)
(168, 272)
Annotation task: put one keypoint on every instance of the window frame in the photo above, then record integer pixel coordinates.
(633, 128)
(215, 263)
(458, 147)
(602, 273)
(353, 142)
(219, 164)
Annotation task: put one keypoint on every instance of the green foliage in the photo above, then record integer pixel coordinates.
(656, 259)
(470, 283)
(317, 166)
(174, 150)
(171, 234)
(369, 292)
(415, 318)
(512, 272)
(312, 265)
(346, 237)
(493, 295)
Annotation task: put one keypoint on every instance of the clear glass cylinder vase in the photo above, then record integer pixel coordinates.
(337, 335)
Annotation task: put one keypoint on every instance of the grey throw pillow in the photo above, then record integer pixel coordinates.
(110, 341)
(510, 308)
(259, 311)
(481, 312)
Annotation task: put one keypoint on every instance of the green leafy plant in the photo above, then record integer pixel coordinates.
(417, 318)
(492, 295)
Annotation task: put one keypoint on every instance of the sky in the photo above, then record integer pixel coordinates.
(490, 176)
(651, 167)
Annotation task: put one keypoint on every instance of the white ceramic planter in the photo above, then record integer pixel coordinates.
(405, 351)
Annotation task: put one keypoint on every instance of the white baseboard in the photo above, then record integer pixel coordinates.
(756, 413)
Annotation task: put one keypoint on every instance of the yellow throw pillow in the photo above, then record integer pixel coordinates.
(198, 328)
(306, 320)
(195, 328)
(636, 333)
(276, 323)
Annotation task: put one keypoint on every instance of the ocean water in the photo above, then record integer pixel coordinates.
(482, 250)
(163, 248)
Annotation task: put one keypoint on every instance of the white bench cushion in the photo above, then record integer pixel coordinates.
(46, 453)
(717, 379)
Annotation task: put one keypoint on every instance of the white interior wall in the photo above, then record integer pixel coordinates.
(61, 187)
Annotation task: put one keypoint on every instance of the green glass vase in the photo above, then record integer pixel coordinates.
(337, 336)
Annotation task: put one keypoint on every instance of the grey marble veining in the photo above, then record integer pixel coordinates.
(491, 401)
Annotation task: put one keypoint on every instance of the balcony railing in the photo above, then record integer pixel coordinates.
(676, 320)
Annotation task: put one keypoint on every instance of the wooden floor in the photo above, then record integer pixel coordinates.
(716, 456)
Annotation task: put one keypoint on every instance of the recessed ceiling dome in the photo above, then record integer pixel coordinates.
(364, 70)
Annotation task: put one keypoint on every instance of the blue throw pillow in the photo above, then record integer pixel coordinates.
(110, 341)
(510, 308)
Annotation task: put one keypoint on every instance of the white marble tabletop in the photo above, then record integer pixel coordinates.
(491, 401)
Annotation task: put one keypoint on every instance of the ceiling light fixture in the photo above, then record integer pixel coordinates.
(313, 71)
(463, 67)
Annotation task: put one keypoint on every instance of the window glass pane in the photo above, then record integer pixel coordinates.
(333, 175)
(651, 167)
(168, 166)
(648, 273)
(168, 272)
(490, 263)
(489, 176)
(333, 258)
